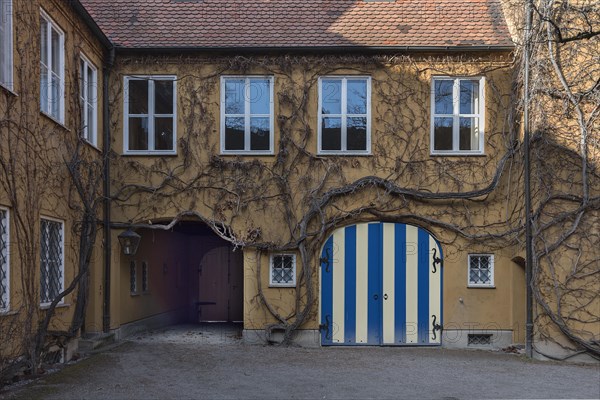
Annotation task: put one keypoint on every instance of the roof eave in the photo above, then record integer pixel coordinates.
(91, 23)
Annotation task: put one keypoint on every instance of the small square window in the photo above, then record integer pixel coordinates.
(481, 270)
(247, 115)
(283, 270)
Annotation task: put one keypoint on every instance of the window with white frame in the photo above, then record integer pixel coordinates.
(457, 116)
(52, 87)
(144, 276)
(52, 260)
(150, 124)
(6, 44)
(4, 261)
(247, 114)
(132, 277)
(88, 94)
(283, 270)
(481, 270)
(344, 115)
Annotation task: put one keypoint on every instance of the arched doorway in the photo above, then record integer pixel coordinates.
(381, 284)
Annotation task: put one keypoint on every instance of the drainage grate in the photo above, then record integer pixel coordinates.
(480, 339)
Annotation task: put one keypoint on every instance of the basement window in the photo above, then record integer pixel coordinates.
(150, 110)
(479, 339)
(283, 270)
(4, 262)
(481, 270)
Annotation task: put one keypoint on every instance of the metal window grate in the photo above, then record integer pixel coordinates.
(51, 260)
(144, 277)
(480, 339)
(3, 259)
(283, 269)
(132, 277)
(480, 269)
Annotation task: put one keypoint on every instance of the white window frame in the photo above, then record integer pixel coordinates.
(344, 116)
(6, 28)
(89, 130)
(7, 242)
(133, 278)
(145, 277)
(62, 258)
(491, 284)
(456, 116)
(151, 114)
(247, 115)
(294, 272)
(51, 25)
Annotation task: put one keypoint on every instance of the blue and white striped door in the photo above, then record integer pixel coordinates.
(381, 283)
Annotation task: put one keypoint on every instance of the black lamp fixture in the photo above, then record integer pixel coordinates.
(129, 241)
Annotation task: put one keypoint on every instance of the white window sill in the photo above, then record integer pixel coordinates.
(92, 145)
(7, 313)
(9, 90)
(134, 294)
(457, 154)
(51, 118)
(149, 153)
(282, 285)
(247, 153)
(46, 306)
(481, 286)
(344, 153)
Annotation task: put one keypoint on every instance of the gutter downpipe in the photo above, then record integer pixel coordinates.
(106, 148)
(528, 221)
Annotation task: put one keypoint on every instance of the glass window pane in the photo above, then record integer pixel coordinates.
(163, 133)
(443, 96)
(44, 89)
(442, 134)
(90, 124)
(163, 97)
(91, 86)
(331, 96)
(469, 134)
(357, 96)
(260, 96)
(234, 96)
(55, 51)
(138, 133)
(357, 133)
(469, 97)
(82, 72)
(137, 96)
(331, 134)
(260, 137)
(44, 39)
(55, 97)
(234, 133)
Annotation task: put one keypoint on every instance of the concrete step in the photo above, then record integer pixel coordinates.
(88, 344)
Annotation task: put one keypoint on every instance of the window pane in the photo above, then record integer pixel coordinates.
(44, 89)
(163, 133)
(234, 96)
(469, 97)
(55, 51)
(234, 133)
(260, 133)
(91, 85)
(443, 96)
(90, 124)
(163, 97)
(260, 96)
(55, 97)
(469, 133)
(82, 72)
(331, 134)
(138, 133)
(44, 44)
(442, 135)
(357, 133)
(331, 98)
(357, 97)
(138, 96)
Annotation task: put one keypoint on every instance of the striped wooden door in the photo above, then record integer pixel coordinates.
(381, 284)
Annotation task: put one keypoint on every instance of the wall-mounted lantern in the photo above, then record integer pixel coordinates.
(129, 241)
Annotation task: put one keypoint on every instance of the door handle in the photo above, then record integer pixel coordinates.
(376, 297)
(385, 296)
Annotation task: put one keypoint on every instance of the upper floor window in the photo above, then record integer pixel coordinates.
(150, 111)
(6, 44)
(88, 93)
(457, 116)
(52, 260)
(481, 270)
(345, 115)
(247, 115)
(4, 263)
(52, 87)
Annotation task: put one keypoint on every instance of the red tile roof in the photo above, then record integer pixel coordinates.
(300, 23)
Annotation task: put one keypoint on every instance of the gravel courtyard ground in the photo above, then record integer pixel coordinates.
(186, 362)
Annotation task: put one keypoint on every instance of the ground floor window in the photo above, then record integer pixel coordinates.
(52, 260)
(283, 270)
(132, 278)
(4, 272)
(481, 270)
(144, 277)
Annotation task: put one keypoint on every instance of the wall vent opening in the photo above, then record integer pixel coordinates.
(479, 339)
